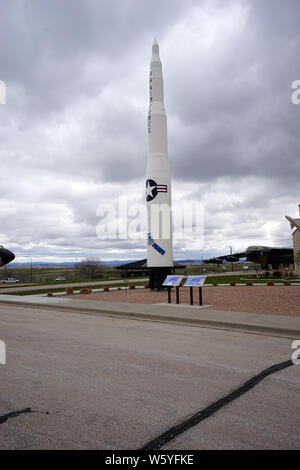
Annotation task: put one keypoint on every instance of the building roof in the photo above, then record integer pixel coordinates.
(142, 264)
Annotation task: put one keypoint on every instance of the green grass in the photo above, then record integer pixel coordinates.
(197, 269)
(210, 280)
(48, 274)
(72, 281)
(62, 289)
(242, 279)
(42, 276)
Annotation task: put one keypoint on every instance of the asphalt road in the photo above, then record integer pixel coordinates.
(109, 383)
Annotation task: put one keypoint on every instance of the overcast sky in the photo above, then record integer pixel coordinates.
(73, 131)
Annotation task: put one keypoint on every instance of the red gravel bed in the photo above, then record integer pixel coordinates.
(276, 300)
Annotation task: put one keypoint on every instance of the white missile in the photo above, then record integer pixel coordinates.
(158, 181)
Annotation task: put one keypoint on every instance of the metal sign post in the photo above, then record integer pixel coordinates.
(200, 296)
(191, 296)
(173, 281)
(169, 294)
(177, 294)
(195, 281)
(126, 286)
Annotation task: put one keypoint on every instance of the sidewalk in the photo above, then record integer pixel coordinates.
(274, 325)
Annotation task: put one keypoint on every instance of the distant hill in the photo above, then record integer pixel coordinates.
(64, 264)
(105, 263)
(189, 261)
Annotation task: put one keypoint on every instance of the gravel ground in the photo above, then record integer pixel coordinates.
(276, 300)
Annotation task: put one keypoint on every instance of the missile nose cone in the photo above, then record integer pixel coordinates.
(155, 47)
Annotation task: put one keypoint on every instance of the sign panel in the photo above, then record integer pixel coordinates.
(172, 281)
(195, 281)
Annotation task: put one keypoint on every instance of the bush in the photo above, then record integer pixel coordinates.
(49, 294)
(270, 283)
(69, 291)
(215, 284)
(85, 290)
(131, 286)
(286, 283)
(267, 274)
(146, 285)
(277, 274)
(232, 283)
(106, 289)
(249, 283)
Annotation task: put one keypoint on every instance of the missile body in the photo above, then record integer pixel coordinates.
(158, 181)
(6, 256)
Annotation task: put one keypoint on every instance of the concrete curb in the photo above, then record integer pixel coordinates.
(271, 325)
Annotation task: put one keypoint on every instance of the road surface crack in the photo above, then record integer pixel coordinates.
(14, 414)
(180, 428)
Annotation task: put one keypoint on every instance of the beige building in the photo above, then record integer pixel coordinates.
(295, 223)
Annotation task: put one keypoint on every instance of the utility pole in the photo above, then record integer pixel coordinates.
(231, 261)
(31, 267)
(76, 268)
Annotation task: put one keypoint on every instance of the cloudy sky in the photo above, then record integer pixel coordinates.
(73, 131)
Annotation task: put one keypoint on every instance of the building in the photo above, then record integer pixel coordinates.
(295, 223)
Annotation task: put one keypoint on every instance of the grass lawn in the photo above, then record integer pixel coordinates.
(239, 279)
(52, 283)
(63, 289)
(242, 279)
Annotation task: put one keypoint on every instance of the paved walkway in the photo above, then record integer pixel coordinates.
(275, 325)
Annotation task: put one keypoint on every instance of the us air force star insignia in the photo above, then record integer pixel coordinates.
(152, 188)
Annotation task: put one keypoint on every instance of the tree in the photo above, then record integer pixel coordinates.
(90, 268)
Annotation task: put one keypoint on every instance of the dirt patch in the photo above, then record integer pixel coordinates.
(276, 300)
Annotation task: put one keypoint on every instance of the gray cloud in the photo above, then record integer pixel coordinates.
(73, 131)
